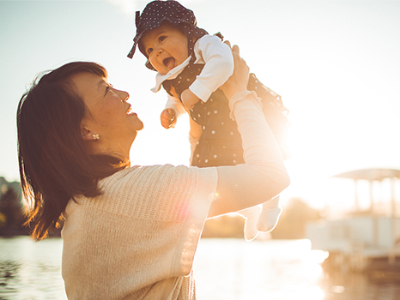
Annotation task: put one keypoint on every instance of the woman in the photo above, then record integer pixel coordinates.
(129, 232)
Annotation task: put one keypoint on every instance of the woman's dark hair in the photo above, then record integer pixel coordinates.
(55, 163)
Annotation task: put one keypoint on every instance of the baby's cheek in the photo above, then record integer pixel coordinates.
(155, 64)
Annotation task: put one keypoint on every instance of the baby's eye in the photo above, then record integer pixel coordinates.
(161, 38)
(149, 50)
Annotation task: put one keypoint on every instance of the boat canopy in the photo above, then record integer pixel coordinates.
(370, 174)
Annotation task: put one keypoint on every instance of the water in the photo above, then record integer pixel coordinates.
(225, 269)
(30, 271)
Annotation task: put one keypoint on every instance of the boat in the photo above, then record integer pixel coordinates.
(363, 239)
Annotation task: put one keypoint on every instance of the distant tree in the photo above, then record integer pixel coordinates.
(224, 227)
(11, 208)
(291, 224)
(3, 220)
(293, 220)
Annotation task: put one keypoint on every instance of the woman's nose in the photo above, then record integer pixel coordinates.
(126, 95)
(123, 95)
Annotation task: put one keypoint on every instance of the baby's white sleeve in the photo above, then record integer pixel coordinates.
(218, 67)
(176, 105)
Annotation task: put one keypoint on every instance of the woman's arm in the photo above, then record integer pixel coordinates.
(264, 175)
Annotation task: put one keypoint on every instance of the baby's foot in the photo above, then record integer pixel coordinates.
(251, 215)
(268, 218)
(250, 229)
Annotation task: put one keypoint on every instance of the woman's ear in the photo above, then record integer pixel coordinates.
(88, 135)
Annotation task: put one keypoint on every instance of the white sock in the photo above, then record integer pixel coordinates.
(251, 215)
(269, 215)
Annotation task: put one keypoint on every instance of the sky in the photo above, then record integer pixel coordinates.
(336, 65)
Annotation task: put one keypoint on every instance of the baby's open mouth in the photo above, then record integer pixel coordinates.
(169, 63)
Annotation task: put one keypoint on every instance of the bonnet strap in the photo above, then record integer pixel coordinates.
(137, 21)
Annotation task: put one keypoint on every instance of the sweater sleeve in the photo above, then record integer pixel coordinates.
(218, 60)
(263, 176)
(175, 201)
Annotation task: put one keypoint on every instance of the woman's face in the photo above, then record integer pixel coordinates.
(108, 115)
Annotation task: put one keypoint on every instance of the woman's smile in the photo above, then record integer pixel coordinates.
(109, 114)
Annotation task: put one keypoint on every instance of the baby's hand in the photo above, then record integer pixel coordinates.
(168, 118)
(189, 99)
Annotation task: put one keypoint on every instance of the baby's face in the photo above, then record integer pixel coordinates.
(166, 47)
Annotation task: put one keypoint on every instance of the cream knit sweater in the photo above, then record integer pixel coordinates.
(138, 239)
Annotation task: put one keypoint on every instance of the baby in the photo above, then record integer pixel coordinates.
(191, 65)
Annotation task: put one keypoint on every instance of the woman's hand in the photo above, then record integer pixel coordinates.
(240, 77)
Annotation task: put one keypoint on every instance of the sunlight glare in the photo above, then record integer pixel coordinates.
(128, 7)
(338, 289)
(317, 256)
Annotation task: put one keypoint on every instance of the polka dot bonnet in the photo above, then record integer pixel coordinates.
(172, 11)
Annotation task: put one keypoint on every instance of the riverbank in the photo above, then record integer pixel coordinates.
(10, 232)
